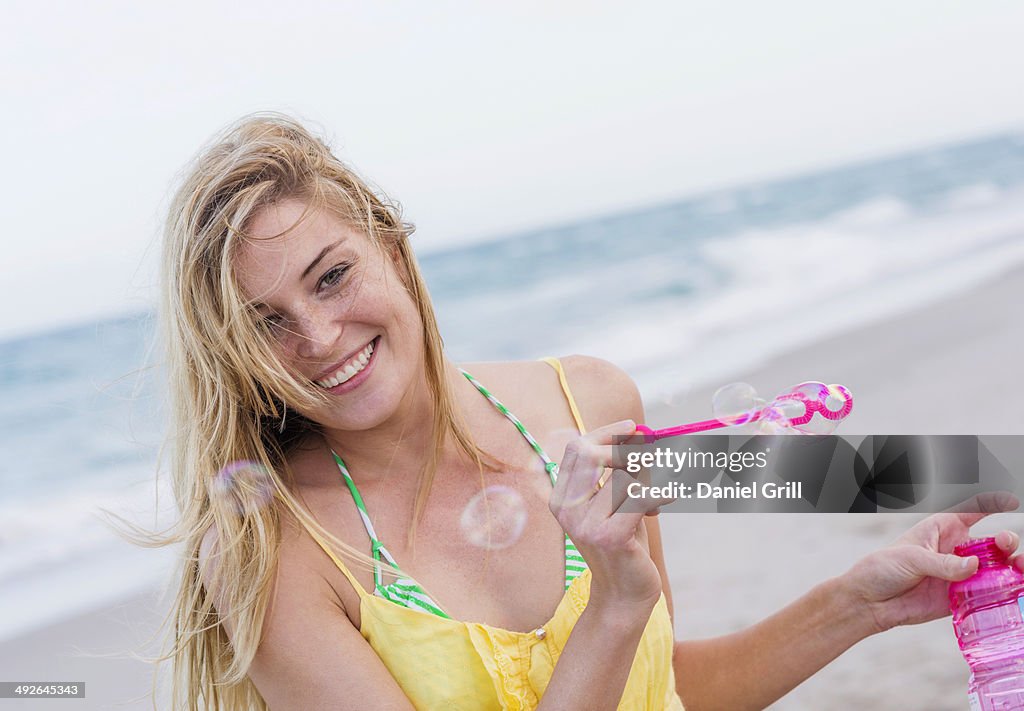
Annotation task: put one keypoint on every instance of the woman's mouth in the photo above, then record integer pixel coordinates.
(354, 371)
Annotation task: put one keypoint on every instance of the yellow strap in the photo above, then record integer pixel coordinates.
(341, 566)
(557, 365)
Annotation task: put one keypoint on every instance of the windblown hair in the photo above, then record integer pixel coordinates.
(228, 392)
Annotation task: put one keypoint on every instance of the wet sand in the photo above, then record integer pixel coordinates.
(951, 368)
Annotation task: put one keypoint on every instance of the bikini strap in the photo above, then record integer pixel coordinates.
(549, 466)
(557, 365)
(404, 590)
(377, 547)
(574, 562)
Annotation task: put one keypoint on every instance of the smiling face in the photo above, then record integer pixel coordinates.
(336, 308)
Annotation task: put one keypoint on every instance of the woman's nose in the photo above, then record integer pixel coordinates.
(315, 337)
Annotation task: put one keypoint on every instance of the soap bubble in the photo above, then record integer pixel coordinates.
(243, 486)
(793, 409)
(675, 388)
(668, 398)
(776, 418)
(587, 488)
(494, 518)
(810, 390)
(583, 487)
(735, 404)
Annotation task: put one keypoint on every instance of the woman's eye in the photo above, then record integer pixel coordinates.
(333, 276)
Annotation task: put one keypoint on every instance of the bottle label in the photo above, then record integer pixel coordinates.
(975, 701)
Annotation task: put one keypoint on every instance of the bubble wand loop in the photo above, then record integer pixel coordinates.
(834, 402)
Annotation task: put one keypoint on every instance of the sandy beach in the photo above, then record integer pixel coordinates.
(95, 648)
(951, 368)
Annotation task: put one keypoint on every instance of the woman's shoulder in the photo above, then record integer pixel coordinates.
(603, 391)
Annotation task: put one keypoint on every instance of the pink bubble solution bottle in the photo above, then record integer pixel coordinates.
(988, 618)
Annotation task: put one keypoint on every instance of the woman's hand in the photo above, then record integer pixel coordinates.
(907, 582)
(612, 542)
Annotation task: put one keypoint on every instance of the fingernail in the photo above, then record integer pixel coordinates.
(967, 562)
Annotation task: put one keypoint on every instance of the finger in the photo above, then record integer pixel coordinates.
(608, 434)
(577, 482)
(1017, 561)
(637, 437)
(623, 524)
(609, 497)
(619, 482)
(981, 505)
(1007, 541)
(579, 470)
(602, 500)
(583, 463)
(941, 565)
(633, 501)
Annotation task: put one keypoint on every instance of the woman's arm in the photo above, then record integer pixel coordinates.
(904, 583)
(594, 666)
(625, 584)
(754, 667)
(310, 656)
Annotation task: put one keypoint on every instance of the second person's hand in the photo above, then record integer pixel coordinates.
(907, 582)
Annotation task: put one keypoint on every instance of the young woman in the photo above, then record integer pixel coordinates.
(326, 451)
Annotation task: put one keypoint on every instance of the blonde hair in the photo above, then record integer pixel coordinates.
(228, 392)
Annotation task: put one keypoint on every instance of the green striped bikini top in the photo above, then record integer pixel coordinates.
(406, 592)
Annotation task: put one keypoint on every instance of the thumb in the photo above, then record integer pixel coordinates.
(954, 567)
(938, 565)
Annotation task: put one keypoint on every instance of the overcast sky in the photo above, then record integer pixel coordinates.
(480, 120)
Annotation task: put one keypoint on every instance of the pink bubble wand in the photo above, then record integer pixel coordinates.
(833, 402)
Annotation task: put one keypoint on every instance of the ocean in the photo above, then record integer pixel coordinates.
(680, 295)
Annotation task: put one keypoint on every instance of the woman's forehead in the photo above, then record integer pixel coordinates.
(291, 223)
(287, 241)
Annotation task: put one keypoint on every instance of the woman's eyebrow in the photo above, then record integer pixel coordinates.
(323, 253)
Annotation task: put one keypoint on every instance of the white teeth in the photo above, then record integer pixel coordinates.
(355, 365)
